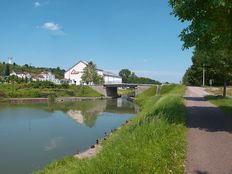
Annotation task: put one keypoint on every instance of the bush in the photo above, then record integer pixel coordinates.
(65, 85)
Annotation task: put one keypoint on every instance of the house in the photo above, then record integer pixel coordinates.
(45, 76)
(74, 74)
(21, 75)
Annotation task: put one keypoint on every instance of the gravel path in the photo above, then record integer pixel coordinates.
(209, 136)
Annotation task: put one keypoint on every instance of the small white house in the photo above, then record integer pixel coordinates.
(45, 76)
(74, 74)
(21, 75)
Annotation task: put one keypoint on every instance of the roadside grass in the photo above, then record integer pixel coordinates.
(152, 142)
(28, 91)
(218, 90)
(224, 104)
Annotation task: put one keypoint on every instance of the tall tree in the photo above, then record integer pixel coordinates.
(210, 30)
(125, 75)
(7, 70)
(90, 74)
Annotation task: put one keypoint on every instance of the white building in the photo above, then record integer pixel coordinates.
(75, 72)
(21, 75)
(45, 76)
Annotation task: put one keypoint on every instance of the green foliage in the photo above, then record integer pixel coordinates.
(130, 77)
(209, 32)
(153, 142)
(90, 74)
(43, 84)
(51, 98)
(45, 89)
(125, 75)
(142, 98)
(223, 103)
(210, 22)
(59, 73)
(65, 85)
(7, 70)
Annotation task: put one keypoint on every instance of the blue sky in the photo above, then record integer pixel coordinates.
(136, 34)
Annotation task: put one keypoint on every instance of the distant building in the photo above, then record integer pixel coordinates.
(45, 76)
(74, 74)
(21, 75)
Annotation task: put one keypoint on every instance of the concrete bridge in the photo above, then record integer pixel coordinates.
(111, 90)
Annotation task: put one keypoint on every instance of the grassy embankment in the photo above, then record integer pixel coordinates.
(152, 142)
(216, 98)
(43, 90)
(224, 104)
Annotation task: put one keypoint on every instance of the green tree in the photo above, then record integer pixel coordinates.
(209, 31)
(90, 74)
(7, 70)
(125, 75)
(131, 77)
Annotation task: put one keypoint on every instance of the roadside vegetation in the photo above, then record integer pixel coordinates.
(152, 142)
(223, 103)
(45, 89)
(216, 97)
(218, 91)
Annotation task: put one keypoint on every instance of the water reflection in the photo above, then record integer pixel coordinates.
(94, 110)
(82, 112)
(34, 135)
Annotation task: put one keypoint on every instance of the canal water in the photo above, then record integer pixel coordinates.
(32, 136)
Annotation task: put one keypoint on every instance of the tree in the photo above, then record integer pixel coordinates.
(90, 74)
(209, 31)
(7, 70)
(130, 77)
(125, 74)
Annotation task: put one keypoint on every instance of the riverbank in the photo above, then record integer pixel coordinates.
(46, 100)
(152, 142)
(44, 90)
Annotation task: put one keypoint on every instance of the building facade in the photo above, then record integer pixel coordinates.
(75, 73)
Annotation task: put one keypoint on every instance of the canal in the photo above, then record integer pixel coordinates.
(32, 136)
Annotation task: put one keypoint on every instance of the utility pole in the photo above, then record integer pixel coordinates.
(203, 76)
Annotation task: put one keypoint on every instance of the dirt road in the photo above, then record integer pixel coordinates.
(209, 136)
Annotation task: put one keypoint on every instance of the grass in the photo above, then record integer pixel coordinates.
(126, 92)
(152, 142)
(224, 104)
(28, 91)
(218, 90)
(142, 98)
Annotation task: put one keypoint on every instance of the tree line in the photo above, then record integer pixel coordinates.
(209, 33)
(130, 77)
(6, 69)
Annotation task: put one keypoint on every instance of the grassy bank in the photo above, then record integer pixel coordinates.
(44, 89)
(152, 142)
(224, 104)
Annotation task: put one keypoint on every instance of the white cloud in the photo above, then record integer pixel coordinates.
(37, 4)
(51, 26)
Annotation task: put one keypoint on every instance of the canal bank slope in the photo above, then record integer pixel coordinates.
(152, 142)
